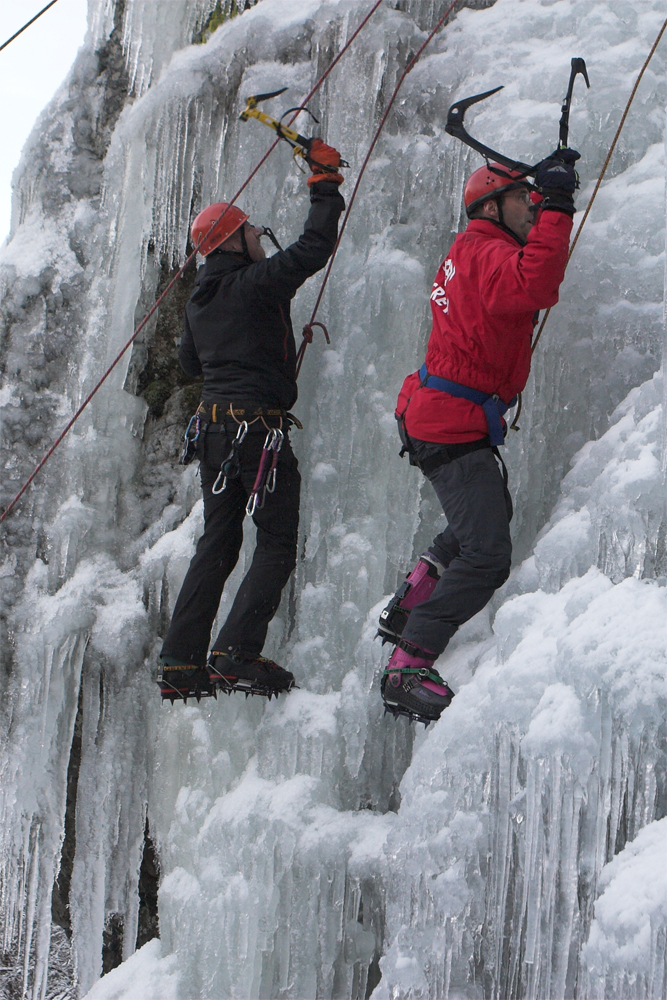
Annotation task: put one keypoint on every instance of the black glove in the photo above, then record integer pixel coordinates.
(557, 180)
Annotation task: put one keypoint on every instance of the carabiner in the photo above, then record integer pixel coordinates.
(214, 490)
(241, 432)
(231, 466)
(189, 449)
(273, 471)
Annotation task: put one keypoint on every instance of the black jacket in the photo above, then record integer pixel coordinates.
(238, 329)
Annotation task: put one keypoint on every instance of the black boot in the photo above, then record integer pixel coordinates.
(252, 675)
(179, 681)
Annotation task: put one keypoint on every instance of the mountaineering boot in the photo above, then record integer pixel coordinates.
(179, 681)
(252, 675)
(416, 589)
(410, 686)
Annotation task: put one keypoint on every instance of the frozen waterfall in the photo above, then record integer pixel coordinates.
(309, 847)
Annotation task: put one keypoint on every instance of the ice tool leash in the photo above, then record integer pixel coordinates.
(179, 274)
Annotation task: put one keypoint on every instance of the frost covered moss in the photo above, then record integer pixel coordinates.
(223, 10)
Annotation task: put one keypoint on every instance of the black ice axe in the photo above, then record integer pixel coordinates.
(457, 112)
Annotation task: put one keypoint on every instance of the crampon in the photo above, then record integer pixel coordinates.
(178, 683)
(256, 675)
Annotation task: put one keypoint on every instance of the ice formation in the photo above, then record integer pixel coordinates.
(311, 848)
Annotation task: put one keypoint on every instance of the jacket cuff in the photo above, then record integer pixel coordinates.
(559, 208)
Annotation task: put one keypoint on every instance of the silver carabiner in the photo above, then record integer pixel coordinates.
(270, 438)
(251, 505)
(241, 432)
(273, 474)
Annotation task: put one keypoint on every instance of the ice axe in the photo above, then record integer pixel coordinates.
(457, 112)
(299, 143)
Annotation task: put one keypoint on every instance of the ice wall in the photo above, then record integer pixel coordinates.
(297, 858)
(500, 840)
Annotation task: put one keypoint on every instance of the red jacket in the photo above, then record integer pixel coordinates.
(484, 299)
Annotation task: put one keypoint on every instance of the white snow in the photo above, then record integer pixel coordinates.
(146, 974)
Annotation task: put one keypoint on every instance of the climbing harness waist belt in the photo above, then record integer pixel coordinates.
(219, 413)
(493, 406)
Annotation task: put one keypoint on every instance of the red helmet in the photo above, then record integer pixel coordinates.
(490, 181)
(232, 220)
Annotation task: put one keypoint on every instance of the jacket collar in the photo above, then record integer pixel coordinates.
(487, 227)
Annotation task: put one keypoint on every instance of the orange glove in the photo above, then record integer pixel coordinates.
(320, 156)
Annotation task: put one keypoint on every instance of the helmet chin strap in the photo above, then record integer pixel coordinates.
(502, 224)
(244, 244)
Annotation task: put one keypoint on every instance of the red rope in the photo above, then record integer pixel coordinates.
(307, 340)
(181, 270)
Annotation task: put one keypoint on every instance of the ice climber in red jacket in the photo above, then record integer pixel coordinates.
(506, 266)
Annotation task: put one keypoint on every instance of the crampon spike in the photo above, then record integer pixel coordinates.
(410, 716)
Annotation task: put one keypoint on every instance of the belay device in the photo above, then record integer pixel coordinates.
(457, 112)
(299, 143)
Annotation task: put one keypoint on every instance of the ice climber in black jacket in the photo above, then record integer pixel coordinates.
(238, 335)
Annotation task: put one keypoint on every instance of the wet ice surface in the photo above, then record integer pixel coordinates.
(306, 846)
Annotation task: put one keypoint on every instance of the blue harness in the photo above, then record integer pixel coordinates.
(493, 406)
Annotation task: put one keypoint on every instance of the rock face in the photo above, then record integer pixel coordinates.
(309, 847)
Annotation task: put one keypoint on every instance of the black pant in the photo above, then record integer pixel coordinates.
(475, 547)
(258, 597)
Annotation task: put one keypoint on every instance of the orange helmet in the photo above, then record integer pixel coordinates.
(232, 220)
(490, 181)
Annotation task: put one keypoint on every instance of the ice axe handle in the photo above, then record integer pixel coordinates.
(578, 66)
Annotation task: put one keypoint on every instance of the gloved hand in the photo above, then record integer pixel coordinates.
(320, 156)
(558, 180)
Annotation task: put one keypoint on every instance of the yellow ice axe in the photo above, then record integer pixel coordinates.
(299, 143)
